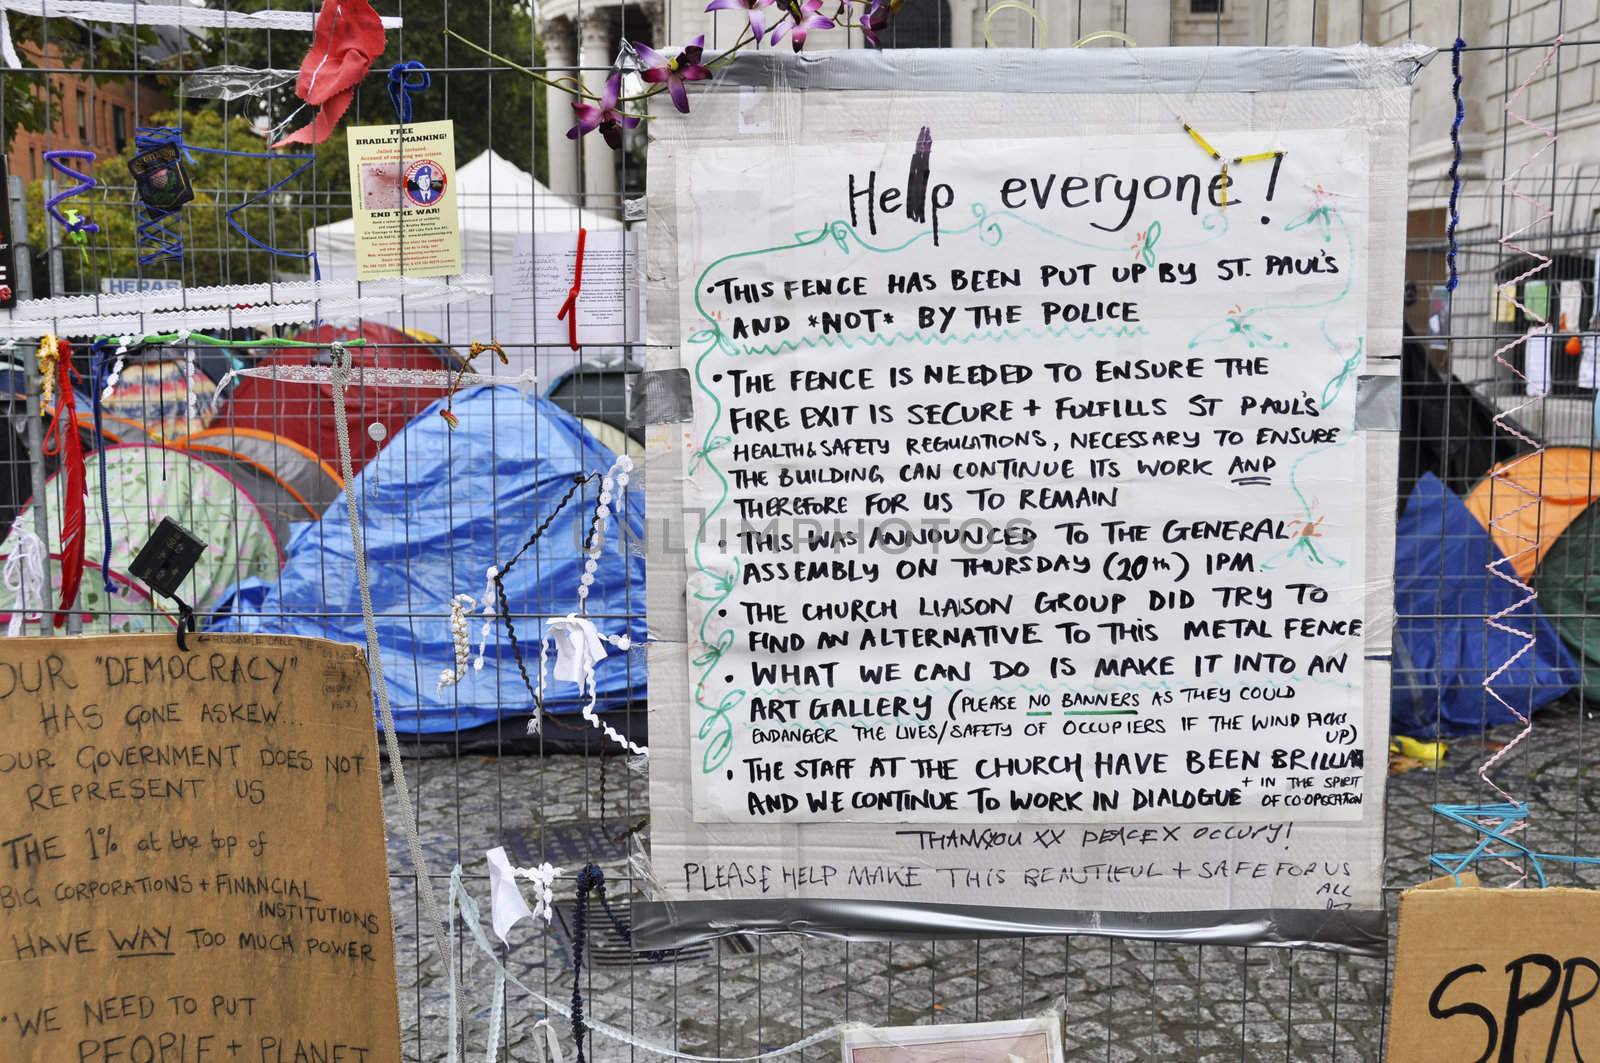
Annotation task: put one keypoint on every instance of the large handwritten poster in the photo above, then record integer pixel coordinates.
(193, 864)
(1034, 490)
(1031, 542)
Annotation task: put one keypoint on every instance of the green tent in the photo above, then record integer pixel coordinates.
(1568, 582)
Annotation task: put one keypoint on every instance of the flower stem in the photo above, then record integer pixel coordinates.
(534, 74)
(745, 39)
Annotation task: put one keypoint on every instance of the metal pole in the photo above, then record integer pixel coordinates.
(58, 266)
(23, 283)
(21, 249)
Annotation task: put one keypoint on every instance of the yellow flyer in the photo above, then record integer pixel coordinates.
(402, 182)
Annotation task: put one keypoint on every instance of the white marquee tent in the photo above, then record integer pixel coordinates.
(497, 201)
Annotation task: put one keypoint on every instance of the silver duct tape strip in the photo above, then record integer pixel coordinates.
(1098, 70)
(1378, 403)
(677, 924)
(661, 396)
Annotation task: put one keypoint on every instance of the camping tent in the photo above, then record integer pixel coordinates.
(303, 413)
(496, 201)
(1444, 648)
(439, 507)
(1568, 582)
(142, 485)
(1527, 502)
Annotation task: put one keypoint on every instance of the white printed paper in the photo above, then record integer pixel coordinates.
(541, 276)
(1048, 506)
(1536, 361)
(1571, 303)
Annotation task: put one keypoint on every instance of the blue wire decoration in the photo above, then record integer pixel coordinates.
(83, 183)
(174, 135)
(159, 239)
(1496, 823)
(1455, 164)
(405, 79)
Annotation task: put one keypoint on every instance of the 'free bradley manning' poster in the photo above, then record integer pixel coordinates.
(402, 181)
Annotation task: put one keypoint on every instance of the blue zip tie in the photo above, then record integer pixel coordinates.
(404, 79)
(1455, 164)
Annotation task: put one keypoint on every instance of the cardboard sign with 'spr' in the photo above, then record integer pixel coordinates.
(1505, 975)
(192, 863)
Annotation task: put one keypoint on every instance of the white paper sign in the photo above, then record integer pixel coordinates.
(1043, 502)
(543, 269)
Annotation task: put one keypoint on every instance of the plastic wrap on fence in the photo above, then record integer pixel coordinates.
(439, 507)
(1442, 592)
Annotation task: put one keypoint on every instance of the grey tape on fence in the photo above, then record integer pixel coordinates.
(661, 396)
(676, 924)
(1378, 403)
(1099, 70)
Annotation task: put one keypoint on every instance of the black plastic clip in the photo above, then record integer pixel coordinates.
(164, 562)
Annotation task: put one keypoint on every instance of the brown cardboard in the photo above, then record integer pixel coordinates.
(192, 862)
(1492, 974)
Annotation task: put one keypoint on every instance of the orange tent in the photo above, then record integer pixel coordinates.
(1527, 502)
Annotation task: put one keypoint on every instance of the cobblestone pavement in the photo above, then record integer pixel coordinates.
(1123, 1000)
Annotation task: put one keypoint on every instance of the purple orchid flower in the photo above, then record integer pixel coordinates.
(805, 19)
(685, 66)
(755, 9)
(604, 115)
(875, 21)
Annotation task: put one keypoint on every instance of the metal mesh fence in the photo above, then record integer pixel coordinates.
(561, 796)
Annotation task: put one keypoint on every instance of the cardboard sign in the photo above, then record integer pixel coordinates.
(403, 182)
(1506, 975)
(193, 864)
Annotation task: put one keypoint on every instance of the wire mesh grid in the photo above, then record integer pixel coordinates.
(479, 779)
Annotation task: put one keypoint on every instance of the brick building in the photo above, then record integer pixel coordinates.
(93, 114)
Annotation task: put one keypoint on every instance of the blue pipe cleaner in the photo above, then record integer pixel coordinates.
(1455, 163)
(97, 384)
(404, 79)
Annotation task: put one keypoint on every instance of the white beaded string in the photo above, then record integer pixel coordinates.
(613, 485)
(459, 635)
(116, 368)
(615, 480)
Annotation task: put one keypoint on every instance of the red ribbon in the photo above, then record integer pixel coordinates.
(347, 38)
(569, 309)
(62, 440)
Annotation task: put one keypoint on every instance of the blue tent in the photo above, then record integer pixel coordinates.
(1443, 648)
(439, 507)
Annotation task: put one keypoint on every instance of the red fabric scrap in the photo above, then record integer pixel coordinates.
(61, 440)
(347, 38)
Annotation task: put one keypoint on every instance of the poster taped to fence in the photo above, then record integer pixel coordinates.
(403, 185)
(1030, 548)
(194, 865)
